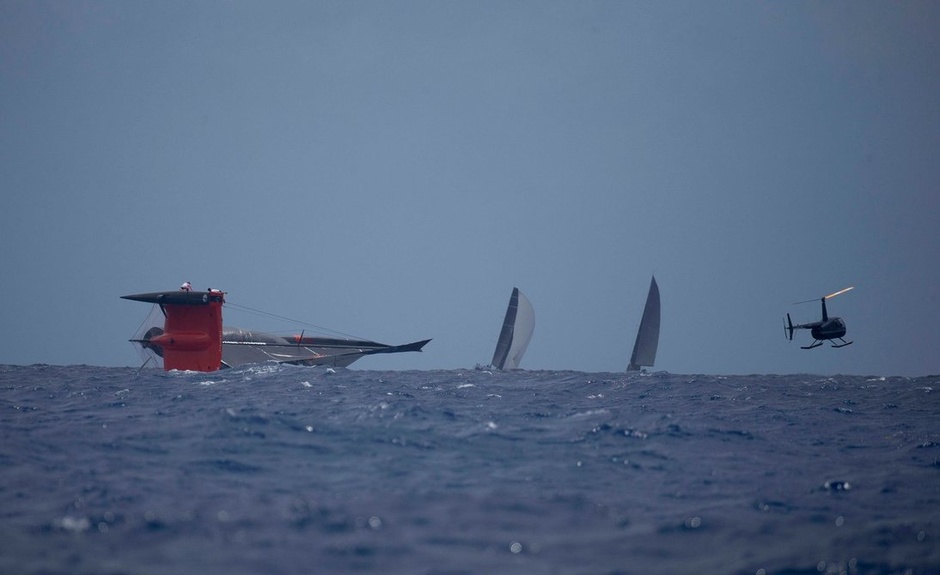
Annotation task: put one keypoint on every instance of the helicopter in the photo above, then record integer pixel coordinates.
(828, 328)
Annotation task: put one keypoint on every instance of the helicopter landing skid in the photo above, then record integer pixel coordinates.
(818, 342)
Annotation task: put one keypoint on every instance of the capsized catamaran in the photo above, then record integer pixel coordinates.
(518, 326)
(193, 338)
(647, 337)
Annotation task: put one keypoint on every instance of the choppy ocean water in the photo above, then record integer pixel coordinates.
(282, 469)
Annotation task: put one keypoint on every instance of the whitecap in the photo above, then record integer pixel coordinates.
(74, 524)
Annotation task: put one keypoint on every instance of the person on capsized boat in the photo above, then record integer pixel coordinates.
(186, 286)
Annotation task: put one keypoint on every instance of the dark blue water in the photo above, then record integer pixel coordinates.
(300, 470)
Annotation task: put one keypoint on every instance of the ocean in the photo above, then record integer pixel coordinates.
(269, 469)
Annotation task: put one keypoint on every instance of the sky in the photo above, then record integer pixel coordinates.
(391, 170)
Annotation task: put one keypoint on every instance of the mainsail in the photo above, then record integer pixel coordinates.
(518, 326)
(240, 346)
(647, 338)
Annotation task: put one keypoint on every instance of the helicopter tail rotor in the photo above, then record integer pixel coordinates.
(788, 328)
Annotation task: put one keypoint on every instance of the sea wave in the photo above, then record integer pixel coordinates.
(285, 469)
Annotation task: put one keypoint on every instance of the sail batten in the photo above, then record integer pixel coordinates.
(517, 329)
(647, 337)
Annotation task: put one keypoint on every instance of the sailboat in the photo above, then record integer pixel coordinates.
(647, 337)
(193, 338)
(514, 337)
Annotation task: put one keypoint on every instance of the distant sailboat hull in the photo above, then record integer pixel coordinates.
(518, 326)
(647, 337)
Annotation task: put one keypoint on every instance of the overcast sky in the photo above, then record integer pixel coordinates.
(391, 170)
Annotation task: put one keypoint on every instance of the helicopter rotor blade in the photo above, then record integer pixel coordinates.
(840, 292)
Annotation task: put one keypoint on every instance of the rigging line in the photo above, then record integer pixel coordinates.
(152, 319)
(296, 321)
(141, 367)
(145, 320)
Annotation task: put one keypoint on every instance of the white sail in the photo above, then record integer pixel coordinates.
(647, 337)
(514, 337)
